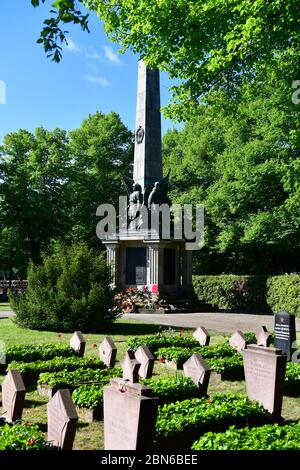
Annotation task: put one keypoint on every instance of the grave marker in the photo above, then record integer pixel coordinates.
(13, 396)
(202, 335)
(62, 420)
(130, 368)
(285, 333)
(197, 369)
(144, 356)
(264, 375)
(129, 416)
(77, 342)
(108, 352)
(238, 341)
(263, 337)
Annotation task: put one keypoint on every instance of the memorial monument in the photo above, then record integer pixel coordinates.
(142, 253)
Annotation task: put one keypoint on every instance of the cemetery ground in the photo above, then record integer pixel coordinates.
(89, 436)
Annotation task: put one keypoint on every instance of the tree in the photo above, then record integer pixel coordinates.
(241, 160)
(35, 171)
(102, 151)
(213, 44)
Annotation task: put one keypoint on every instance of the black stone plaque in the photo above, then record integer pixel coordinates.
(285, 333)
(135, 258)
(169, 266)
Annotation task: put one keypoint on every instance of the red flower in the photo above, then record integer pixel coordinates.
(31, 442)
(182, 330)
(161, 359)
(94, 345)
(180, 334)
(59, 335)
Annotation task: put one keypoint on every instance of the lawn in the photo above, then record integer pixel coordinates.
(90, 436)
(4, 306)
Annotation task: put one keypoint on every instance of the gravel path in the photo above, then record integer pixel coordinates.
(221, 321)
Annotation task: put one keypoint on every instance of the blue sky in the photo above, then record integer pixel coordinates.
(90, 77)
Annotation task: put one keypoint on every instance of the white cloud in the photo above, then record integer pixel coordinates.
(99, 80)
(93, 55)
(72, 46)
(110, 55)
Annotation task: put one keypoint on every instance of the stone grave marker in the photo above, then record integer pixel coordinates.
(130, 368)
(238, 341)
(13, 396)
(77, 342)
(144, 356)
(62, 420)
(263, 337)
(285, 333)
(197, 369)
(129, 416)
(264, 375)
(108, 352)
(202, 335)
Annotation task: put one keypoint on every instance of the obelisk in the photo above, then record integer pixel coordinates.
(147, 152)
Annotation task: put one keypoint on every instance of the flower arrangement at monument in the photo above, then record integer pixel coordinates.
(135, 299)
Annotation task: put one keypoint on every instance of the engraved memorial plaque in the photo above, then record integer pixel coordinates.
(13, 396)
(62, 420)
(285, 333)
(108, 352)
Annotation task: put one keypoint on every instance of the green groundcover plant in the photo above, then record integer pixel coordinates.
(89, 396)
(292, 378)
(57, 364)
(78, 377)
(204, 414)
(37, 352)
(267, 437)
(21, 437)
(154, 342)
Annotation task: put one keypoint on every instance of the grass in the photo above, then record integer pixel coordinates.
(90, 436)
(4, 306)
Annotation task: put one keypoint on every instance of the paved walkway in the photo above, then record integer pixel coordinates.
(7, 314)
(222, 322)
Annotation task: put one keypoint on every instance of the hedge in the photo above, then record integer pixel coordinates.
(256, 293)
(267, 437)
(154, 342)
(78, 377)
(292, 378)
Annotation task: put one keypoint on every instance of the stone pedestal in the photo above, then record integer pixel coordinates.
(129, 416)
(264, 375)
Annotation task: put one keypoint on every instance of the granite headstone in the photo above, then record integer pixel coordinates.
(264, 375)
(77, 342)
(202, 335)
(144, 356)
(285, 333)
(130, 368)
(62, 420)
(263, 337)
(13, 396)
(108, 352)
(238, 341)
(197, 369)
(129, 416)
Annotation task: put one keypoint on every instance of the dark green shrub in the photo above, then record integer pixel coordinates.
(36, 352)
(203, 414)
(181, 354)
(57, 364)
(267, 437)
(227, 365)
(21, 437)
(78, 377)
(69, 291)
(229, 291)
(173, 388)
(284, 293)
(88, 396)
(154, 342)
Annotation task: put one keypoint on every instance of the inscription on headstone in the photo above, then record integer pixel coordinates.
(263, 337)
(197, 369)
(238, 341)
(285, 333)
(77, 342)
(62, 420)
(144, 356)
(129, 416)
(13, 396)
(202, 335)
(264, 375)
(130, 368)
(108, 352)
